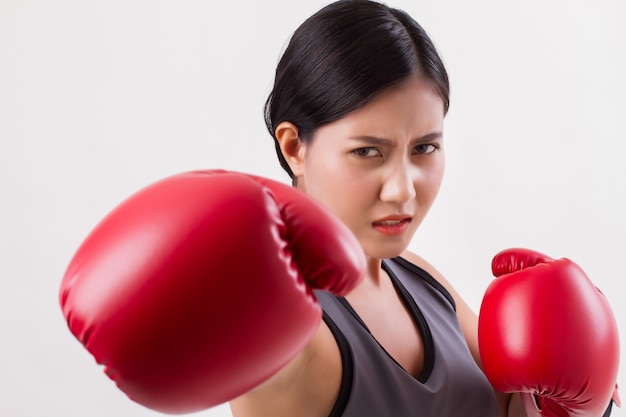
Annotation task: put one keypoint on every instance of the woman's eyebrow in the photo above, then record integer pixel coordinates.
(429, 137)
(375, 140)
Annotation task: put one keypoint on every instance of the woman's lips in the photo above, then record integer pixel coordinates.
(393, 225)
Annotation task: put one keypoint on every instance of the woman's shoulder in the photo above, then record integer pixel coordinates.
(462, 308)
(428, 267)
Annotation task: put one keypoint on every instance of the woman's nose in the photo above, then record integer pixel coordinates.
(398, 185)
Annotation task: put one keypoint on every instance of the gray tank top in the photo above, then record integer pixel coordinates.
(375, 385)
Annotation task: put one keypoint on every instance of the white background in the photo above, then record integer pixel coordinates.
(98, 99)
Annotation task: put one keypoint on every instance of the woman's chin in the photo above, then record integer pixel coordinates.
(386, 250)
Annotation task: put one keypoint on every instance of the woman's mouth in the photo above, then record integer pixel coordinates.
(392, 226)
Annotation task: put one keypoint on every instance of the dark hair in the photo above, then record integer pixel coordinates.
(341, 58)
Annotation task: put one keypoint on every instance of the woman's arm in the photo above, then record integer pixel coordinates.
(307, 386)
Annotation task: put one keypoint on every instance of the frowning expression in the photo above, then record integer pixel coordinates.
(379, 168)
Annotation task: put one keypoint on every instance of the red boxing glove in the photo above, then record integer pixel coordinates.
(545, 330)
(199, 287)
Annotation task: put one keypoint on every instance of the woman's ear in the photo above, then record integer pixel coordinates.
(291, 146)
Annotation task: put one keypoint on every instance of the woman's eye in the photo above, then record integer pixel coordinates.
(366, 152)
(426, 148)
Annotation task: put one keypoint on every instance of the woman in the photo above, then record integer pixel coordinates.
(357, 115)
(198, 289)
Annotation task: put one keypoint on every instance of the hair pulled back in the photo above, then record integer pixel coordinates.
(341, 58)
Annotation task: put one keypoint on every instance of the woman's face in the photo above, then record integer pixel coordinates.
(380, 167)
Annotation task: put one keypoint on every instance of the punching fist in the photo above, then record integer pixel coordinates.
(199, 287)
(545, 330)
